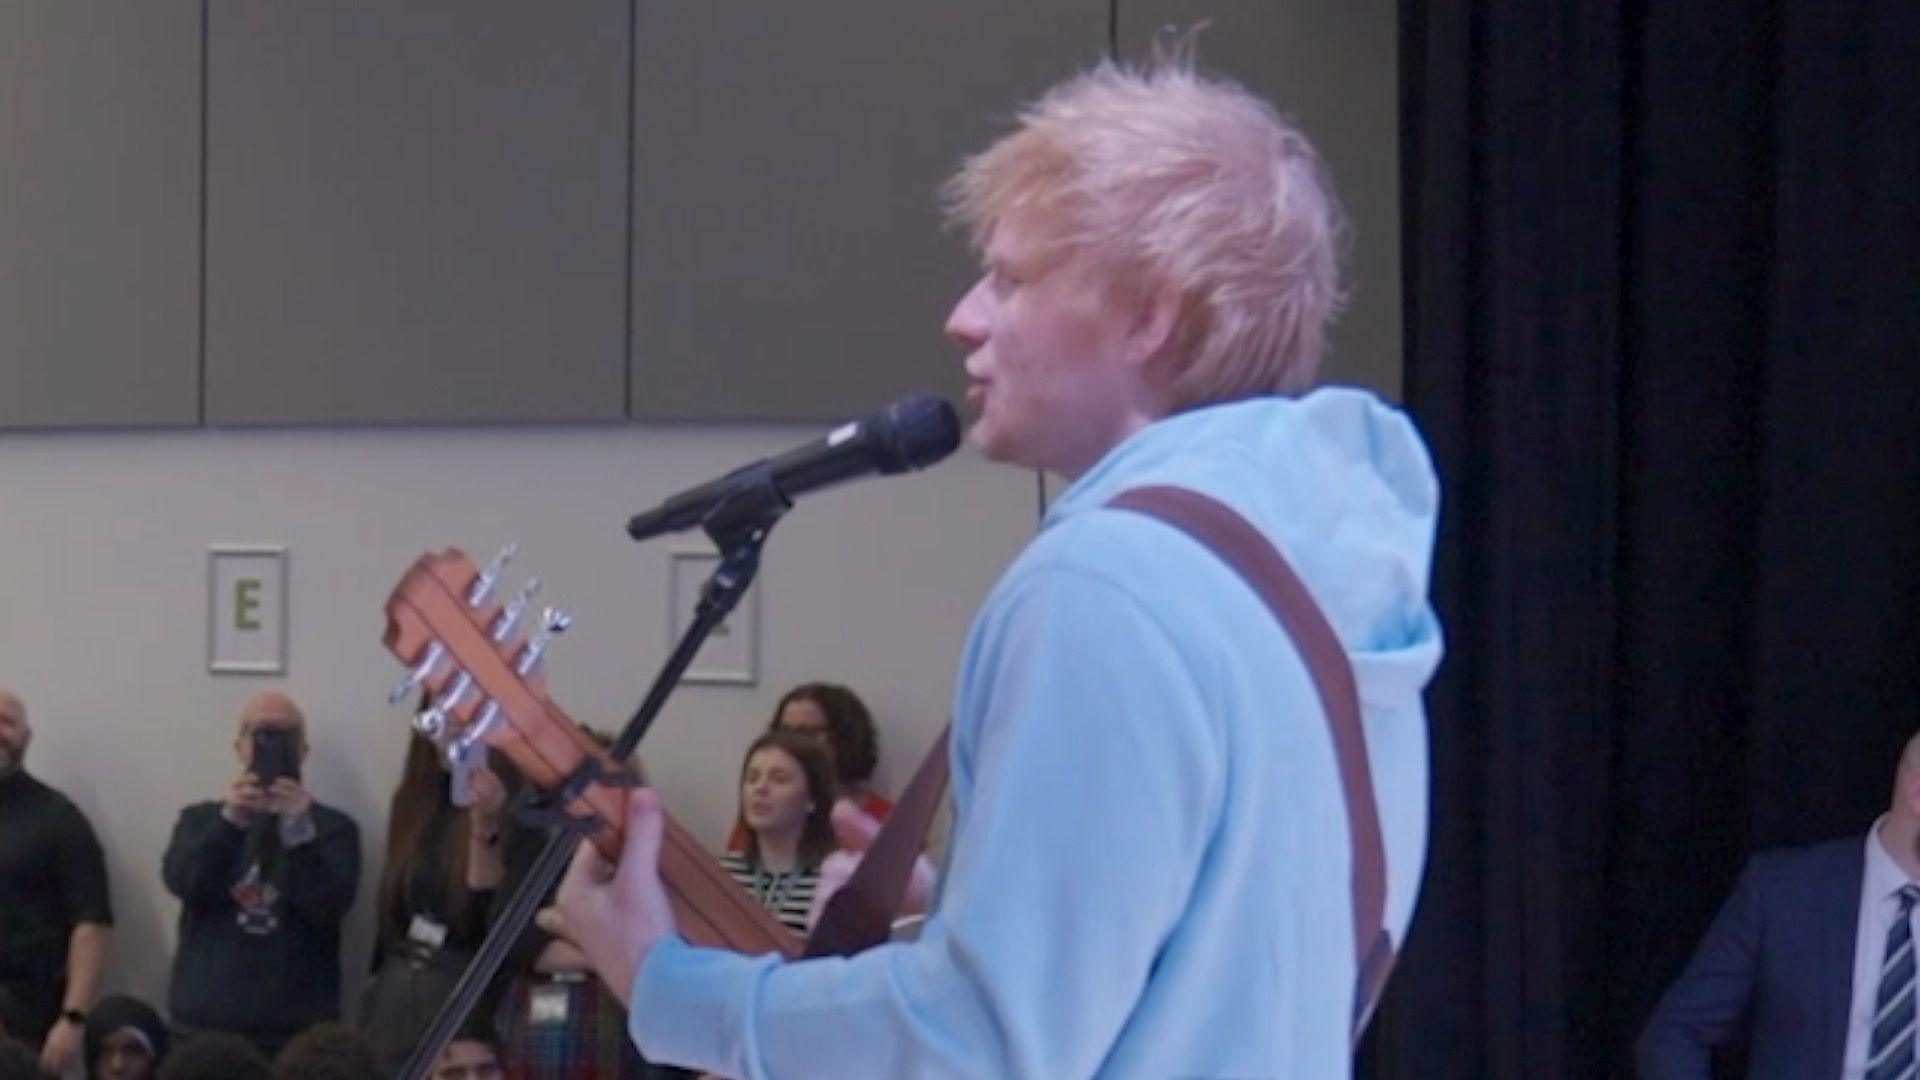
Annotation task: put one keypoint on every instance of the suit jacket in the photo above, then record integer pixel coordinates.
(1778, 957)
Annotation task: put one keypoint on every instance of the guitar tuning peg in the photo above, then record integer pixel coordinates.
(510, 615)
(432, 721)
(420, 673)
(460, 783)
(462, 748)
(483, 585)
(555, 621)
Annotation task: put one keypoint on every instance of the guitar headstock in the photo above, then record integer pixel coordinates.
(485, 677)
(488, 687)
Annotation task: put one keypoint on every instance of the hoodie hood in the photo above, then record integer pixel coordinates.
(1341, 482)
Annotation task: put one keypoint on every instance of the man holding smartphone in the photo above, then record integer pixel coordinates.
(264, 875)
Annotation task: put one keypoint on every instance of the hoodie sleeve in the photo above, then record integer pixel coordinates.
(1092, 755)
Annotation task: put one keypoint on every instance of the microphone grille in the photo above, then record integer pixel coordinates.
(914, 432)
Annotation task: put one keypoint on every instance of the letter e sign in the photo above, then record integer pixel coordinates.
(247, 609)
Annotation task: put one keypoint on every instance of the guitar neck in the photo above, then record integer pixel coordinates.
(708, 904)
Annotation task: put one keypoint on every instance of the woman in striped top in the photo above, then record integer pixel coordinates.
(786, 805)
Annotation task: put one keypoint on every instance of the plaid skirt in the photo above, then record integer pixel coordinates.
(567, 1027)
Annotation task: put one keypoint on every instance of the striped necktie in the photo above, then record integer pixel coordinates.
(1890, 1054)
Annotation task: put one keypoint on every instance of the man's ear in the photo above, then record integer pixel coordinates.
(1155, 312)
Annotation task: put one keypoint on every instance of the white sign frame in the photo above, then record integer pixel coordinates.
(731, 654)
(232, 650)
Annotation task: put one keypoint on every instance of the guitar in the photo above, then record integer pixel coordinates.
(488, 687)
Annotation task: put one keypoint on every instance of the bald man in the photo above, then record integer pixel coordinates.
(1812, 958)
(264, 875)
(55, 918)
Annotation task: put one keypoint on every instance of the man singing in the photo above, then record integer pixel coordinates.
(1153, 859)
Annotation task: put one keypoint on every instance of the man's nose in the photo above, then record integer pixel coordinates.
(967, 325)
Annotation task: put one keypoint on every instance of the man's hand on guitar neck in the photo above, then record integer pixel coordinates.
(611, 913)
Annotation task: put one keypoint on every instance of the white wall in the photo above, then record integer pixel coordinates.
(103, 567)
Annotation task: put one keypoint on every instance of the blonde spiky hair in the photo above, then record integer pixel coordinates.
(1171, 180)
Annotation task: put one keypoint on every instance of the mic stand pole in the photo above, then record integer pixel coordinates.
(738, 526)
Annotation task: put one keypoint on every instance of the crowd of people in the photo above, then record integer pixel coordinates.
(266, 875)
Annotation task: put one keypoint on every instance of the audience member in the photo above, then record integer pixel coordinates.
(215, 1055)
(55, 918)
(470, 1056)
(786, 808)
(328, 1051)
(443, 864)
(1811, 958)
(126, 1040)
(835, 717)
(264, 877)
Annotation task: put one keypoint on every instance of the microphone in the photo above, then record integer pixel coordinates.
(911, 433)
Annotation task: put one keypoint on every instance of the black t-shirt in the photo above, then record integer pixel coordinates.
(52, 876)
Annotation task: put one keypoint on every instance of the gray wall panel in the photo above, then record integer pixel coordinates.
(788, 255)
(416, 210)
(100, 212)
(1331, 65)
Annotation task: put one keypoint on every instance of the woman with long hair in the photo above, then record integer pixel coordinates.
(786, 813)
(443, 863)
(835, 718)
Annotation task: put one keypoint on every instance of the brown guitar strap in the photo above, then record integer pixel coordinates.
(860, 914)
(1241, 546)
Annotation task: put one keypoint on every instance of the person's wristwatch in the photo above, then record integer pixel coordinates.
(76, 1017)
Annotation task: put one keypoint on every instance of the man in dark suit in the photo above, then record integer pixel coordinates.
(1813, 955)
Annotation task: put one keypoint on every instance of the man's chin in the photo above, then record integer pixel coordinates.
(1002, 452)
(982, 437)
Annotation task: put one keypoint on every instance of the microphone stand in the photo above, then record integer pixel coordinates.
(738, 526)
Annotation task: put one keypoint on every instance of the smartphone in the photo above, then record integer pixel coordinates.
(275, 754)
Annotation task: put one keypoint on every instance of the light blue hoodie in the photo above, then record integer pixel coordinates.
(1149, 864)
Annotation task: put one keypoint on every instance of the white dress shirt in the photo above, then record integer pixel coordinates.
(1880, 883)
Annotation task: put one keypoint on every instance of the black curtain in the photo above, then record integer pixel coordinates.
(1663, 333)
